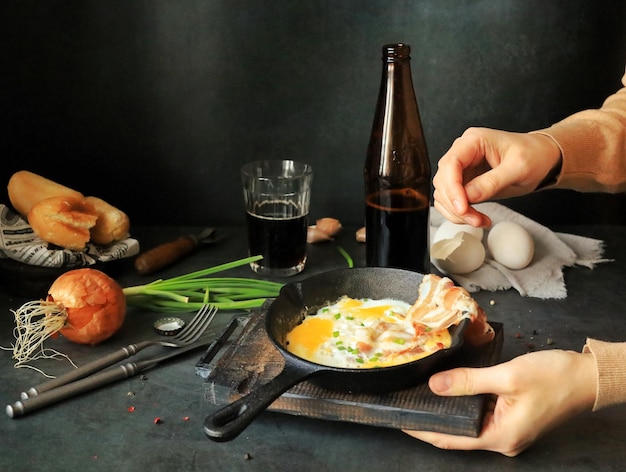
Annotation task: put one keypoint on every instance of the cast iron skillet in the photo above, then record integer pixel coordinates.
(288, 309)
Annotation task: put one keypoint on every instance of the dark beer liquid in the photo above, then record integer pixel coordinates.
(277, 235)
(397, 229)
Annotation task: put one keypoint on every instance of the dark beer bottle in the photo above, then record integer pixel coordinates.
(397, 172)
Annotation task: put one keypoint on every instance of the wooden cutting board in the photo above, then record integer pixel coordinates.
(249, 359)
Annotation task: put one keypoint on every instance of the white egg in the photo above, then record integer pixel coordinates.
(511, 245)
(461, 254)
(447, 230)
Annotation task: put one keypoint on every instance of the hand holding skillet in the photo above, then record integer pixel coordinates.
(533, 394)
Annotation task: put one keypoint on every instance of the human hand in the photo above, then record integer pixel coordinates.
(484, 164)
(533, 394)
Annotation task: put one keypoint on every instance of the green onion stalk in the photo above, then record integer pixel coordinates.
(346, 256)
(190, 291)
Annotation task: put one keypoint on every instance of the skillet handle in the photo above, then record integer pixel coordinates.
(229, 421)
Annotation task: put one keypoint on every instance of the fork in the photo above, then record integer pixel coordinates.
(188, 335)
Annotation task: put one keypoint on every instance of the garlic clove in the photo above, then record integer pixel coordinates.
(315, 235)
(360, 235)
(330, 226)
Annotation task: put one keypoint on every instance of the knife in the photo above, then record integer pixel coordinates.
(105, 377)
(168, 253)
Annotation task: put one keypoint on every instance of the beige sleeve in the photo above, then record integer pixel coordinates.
(611, 363)
(593, 147)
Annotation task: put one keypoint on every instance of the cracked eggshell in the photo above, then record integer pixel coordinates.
(447, 230)
(511, 245)
(461, 254)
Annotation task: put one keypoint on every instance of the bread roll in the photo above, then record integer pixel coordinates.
(112, 224)
(64, 221)
(63, 216)
(26, 189)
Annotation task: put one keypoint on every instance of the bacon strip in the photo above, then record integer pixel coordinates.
(441, 304)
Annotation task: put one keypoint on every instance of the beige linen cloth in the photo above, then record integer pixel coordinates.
(543, 278)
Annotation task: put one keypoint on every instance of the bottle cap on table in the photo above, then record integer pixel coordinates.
(168, 326)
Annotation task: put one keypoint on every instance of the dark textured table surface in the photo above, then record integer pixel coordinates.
(114, 428)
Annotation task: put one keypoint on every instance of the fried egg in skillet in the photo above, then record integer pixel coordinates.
(352, 333)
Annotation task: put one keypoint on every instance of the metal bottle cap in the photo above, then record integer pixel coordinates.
(168, 326)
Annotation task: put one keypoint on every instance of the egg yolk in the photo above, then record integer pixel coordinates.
(358, 310)
(306, 338)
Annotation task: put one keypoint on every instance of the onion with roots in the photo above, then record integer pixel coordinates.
(84, 305)
(92, 303)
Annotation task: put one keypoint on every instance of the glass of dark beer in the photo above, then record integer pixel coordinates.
(276, 197)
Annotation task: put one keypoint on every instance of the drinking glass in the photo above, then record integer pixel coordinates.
(276, 197)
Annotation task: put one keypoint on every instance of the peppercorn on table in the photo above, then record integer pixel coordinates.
(154, 421)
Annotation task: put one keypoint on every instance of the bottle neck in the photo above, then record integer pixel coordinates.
(397, 71)
(397, 151)
(399, 52)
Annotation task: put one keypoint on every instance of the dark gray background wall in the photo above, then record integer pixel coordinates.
(155, 104)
